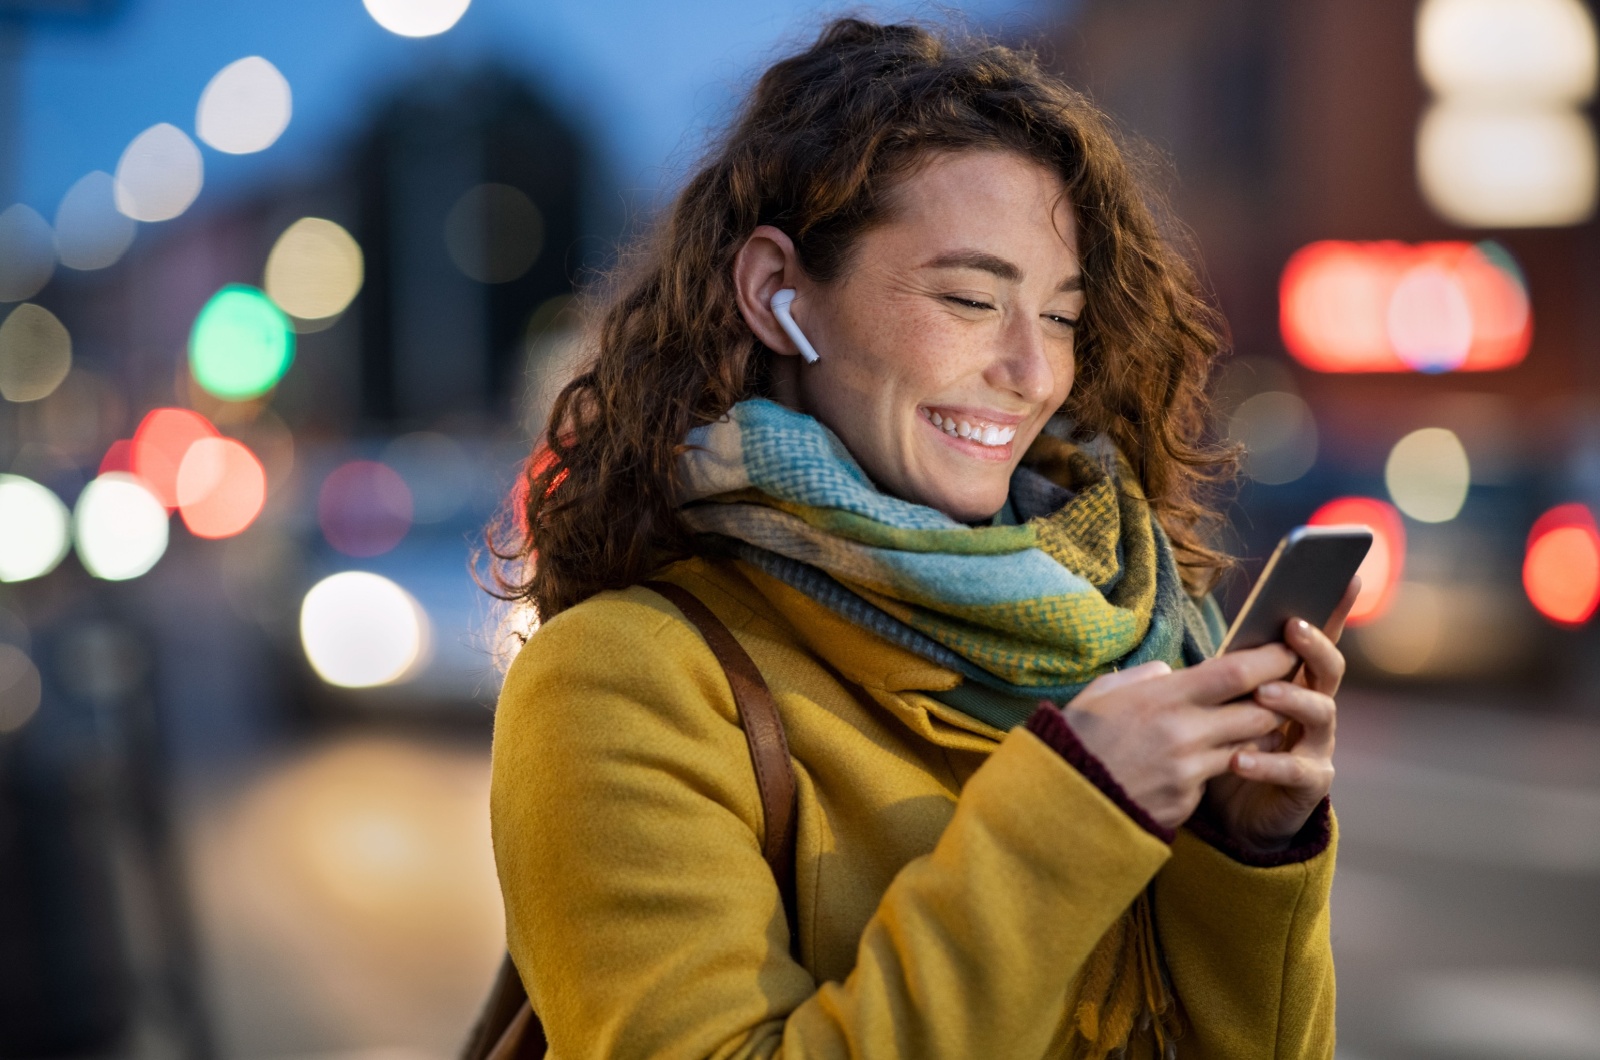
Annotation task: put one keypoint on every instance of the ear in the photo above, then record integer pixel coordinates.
(765, 265)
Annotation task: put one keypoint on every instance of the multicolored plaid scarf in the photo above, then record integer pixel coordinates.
(1084, 584)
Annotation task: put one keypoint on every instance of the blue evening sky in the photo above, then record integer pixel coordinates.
(647, 78)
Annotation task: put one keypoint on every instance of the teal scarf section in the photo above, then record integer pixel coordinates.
(1084, 583)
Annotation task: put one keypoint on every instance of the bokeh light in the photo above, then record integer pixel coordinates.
(221, 487)
(119, 527)
(35, 353)
(1405, 640)
(364, 508)
(159, 174)
(245, 107)
(1396, 307)
(417, 18)
(1385, 561)
(35, 529)
(361, 629)
(1489, 167)
(91, 233)
(1498, 50)
(160, 444)
(494, 233)
(314, 270)
(1279, 434)
(1561, 569)
(1428, 475)
(241, 344)
(27, 253)
(20, 688)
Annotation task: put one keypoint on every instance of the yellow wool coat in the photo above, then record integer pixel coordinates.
(951, 878)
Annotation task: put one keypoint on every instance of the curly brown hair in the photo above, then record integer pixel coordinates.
(817, 150)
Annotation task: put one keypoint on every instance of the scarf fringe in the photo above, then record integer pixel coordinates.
(1124, 990)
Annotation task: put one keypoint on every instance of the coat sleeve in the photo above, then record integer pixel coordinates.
(1253, 942)
(627, 830)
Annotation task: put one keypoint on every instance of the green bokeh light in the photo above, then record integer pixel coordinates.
(241, 344)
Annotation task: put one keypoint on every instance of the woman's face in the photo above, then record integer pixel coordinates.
(947, 343)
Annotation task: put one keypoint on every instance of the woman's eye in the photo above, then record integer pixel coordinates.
(1066, 322)
(968, 303)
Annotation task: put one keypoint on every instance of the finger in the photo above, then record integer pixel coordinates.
(1234, 724)
(1313, 713)
(1236, 674)
(1309, 777)
(1334, 627)
(1324, 669)
(1131, 676)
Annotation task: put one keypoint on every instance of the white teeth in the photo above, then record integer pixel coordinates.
(983, 435)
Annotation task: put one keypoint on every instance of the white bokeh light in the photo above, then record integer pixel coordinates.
(360, 630)
(1428, 475)
(27, 253)
(1533, 51)
(91, 233)
(245, 107)
(417, 18)
(1493, 167)
(34, 529)
(119, 526)
(314, 270)
(159, 174)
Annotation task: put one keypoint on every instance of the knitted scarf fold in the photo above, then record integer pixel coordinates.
(1085, 584)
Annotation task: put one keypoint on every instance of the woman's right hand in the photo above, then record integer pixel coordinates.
(1162, 734)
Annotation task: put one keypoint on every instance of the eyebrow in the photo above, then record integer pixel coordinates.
(995, 266)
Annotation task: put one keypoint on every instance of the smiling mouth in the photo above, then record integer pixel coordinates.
(990, 435)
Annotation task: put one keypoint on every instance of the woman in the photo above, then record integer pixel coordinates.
(964, 548)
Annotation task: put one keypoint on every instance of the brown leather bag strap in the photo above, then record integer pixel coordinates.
(763, 732)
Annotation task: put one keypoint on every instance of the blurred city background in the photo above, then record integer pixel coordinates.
(285, 287)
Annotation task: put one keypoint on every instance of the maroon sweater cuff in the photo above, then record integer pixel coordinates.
(1312, 839)
(1048, 725)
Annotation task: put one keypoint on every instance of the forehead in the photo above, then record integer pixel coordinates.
(996, 201)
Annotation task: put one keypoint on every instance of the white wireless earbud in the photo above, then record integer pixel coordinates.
(780, 309)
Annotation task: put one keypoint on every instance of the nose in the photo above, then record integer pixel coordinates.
(1023, 363)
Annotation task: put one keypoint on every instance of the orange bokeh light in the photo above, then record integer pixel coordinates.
(1561, 571)
(159, 446)
(1380, 571)
(221, 487)
(1399, 307)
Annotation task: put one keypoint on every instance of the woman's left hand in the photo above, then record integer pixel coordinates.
(1272, 787)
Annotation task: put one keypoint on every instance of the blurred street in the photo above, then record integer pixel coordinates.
(1464, 911)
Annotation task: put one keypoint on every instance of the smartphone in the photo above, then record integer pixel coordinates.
(1305, 577)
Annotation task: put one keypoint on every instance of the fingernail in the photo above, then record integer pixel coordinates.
(1271, 690)
(1247, 761)
(1302, 626)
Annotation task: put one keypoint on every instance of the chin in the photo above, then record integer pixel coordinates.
(970, 506)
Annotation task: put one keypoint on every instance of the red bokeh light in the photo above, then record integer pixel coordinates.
(119, 457)
(159, 446)
(221, 487)
(1380, 571)
(1399, 307)
(364, 508)
(1561, 570)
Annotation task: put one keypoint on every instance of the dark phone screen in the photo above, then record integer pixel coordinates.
(1305, 578)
